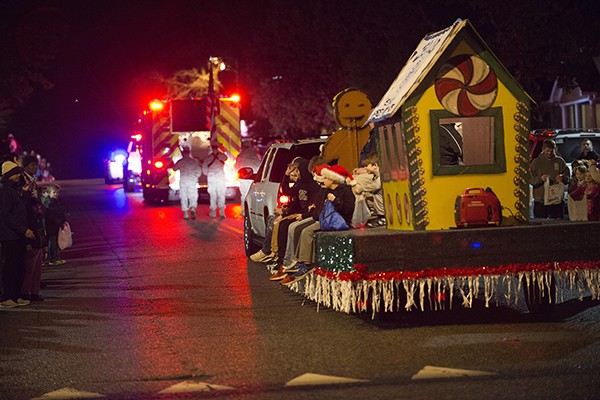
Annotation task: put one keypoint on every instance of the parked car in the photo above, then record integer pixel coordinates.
(264, 193)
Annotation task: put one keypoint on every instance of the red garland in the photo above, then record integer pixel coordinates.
(360, 271)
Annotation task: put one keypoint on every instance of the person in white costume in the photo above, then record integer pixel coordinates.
(213, 168)
(189, 172)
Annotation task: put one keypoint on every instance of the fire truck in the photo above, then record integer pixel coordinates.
(168, 126)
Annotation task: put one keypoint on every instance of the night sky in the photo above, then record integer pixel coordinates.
(101, 57)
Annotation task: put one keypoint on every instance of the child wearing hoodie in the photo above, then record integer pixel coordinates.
(341, 196)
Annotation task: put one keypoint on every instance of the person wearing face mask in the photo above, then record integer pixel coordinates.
(13, 235)
(55, 218)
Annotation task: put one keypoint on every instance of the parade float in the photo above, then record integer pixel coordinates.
(453, 133)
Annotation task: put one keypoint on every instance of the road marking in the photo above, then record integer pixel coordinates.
(316, 379)
(431, 372)
(69, 393)
(188, 387)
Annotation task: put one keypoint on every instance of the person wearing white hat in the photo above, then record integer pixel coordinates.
(13, 235)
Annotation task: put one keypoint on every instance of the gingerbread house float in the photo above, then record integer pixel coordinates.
(453, 119)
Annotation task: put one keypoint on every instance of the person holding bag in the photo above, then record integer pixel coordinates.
(55, 218)
(550, 168)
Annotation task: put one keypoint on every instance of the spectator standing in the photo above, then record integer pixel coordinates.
(14, 146)
(576, 204)
(13, 233)
(587, 151)
(591, 193)
(30, 167)
(213, 167)
(189, 172)
(36, 250)
(548, 166)
(55, 218)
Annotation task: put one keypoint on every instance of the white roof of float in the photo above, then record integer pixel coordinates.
(414, 71)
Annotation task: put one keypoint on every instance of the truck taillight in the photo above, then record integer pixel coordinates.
(159, 164)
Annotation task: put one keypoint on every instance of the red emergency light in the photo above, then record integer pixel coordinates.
(158, 164)
(235, 98)
(156, 105)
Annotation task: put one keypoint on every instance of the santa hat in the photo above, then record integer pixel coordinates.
(336, 173)
(9, 168)
(317, 172)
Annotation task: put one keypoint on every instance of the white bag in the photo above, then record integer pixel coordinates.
(65, 236)
(361, 213)
(577, 209)
(553, 193)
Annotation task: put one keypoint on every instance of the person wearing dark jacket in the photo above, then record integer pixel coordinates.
(13, 233)
(341, 196)
(35, 251)
(287, 186)
(306, 190)
(55, 218)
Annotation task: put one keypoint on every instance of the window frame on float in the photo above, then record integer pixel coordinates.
(498, 162)
(394, 160)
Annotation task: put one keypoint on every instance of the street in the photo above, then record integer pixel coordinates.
(150, 305)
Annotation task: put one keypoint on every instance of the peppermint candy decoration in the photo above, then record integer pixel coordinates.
(466, 85)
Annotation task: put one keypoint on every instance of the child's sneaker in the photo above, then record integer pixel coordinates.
(279, 275)
(302, 272)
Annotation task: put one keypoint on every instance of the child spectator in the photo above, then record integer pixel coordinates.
(55, 218)
(577, 205)
(368, 183)
(35, 251)
(288, 188)
(591, 193)
(308, 217)
(306, 193)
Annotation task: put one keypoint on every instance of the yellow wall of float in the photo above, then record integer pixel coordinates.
(443, 190)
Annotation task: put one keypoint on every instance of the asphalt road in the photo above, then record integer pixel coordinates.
(151, 306)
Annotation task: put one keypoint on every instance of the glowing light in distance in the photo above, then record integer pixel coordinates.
(137, 137)
(159, 164)
(156, 105)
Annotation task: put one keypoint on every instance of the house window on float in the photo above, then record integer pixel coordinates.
(467, 145)
(394, 162)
